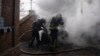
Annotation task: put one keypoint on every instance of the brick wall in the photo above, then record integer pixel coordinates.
(6, 40)
(16, 21)
(26, 25)
(26, 22)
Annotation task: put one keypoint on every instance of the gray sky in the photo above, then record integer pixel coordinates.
(44, 8)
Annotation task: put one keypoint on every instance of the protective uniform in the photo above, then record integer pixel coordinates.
(37, 26)
(55, 22)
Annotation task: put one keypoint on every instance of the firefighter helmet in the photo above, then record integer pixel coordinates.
(42, 20)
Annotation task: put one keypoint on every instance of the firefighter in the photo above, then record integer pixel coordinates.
(55, 22)
(37, 26)
(45, 39)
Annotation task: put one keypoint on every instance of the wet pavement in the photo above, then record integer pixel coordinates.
(62, 50)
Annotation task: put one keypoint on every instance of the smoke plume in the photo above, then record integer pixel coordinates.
(81, 17)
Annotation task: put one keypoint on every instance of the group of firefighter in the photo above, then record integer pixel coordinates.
(51, 38)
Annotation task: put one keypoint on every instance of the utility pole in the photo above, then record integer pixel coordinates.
(81, 6)
(31, 4)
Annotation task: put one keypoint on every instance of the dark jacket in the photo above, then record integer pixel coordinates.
(55, 22)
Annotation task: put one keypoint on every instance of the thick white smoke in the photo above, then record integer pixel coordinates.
(47, 8)
(87, 15)
(80, 16)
